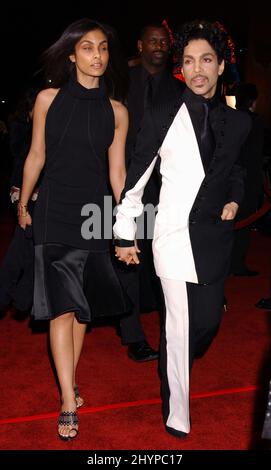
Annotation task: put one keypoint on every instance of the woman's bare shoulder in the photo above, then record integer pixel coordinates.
(120, 110)
(46, 97)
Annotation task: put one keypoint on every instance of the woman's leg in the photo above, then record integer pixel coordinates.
(62, 346)
(79, 330)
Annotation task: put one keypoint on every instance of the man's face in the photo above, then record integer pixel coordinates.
(154, 47)
(201, 68)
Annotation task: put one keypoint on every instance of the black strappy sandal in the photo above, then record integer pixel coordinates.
(68, 418)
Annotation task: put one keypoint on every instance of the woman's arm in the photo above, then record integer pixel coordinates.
(36, 156)
(117, 170)
(116, 152)
(130, 206)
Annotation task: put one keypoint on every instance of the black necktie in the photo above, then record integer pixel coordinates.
(207, 141)
(148, 92)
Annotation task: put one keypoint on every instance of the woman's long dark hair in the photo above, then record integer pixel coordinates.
(58, 67)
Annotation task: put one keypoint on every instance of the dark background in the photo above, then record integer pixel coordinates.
(27, 28)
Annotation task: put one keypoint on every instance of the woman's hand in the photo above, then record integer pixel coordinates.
(23, 221)
(24, 218)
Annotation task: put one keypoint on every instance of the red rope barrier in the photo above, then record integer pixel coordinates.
(260, 212)
(249, 220)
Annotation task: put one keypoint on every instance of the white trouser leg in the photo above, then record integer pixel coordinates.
(177, 353)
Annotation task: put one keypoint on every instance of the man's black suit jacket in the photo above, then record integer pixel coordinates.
(211, 238)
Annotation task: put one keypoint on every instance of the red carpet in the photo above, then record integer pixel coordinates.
(122, 397)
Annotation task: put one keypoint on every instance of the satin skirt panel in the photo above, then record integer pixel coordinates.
(69, 279)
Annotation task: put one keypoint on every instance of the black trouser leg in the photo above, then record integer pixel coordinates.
(205, 313)
(130, 325)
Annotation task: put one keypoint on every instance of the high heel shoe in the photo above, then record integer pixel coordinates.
(68, 418)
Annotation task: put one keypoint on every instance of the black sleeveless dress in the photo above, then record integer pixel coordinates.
(73, 269)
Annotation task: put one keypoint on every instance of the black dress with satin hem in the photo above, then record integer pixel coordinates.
(73, 273)
(72, 280)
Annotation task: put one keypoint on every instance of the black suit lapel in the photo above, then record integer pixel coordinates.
(164, 116)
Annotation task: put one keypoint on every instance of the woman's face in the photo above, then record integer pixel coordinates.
(91, 54)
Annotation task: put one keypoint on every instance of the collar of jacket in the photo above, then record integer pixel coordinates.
(195, 101)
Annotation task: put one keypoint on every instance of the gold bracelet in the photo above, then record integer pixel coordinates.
(22, 210)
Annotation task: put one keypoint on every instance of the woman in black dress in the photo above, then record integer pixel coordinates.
(79, 132)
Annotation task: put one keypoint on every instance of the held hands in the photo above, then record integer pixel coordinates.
(128, 255)
(229, 211)
(24, 218)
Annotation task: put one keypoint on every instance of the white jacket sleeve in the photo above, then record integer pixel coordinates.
(131, 207)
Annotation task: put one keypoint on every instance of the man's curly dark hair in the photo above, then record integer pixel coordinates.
(201, 30)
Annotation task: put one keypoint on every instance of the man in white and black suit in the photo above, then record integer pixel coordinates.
(198, 140)
(151, 84)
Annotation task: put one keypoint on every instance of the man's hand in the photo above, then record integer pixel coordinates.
(127, 255)
(229, 211)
